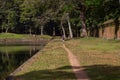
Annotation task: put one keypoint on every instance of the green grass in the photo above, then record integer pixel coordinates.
(21, 36)
(45, 37)
(51, 64)
(99, 57)
(11, 35)
(12, 49)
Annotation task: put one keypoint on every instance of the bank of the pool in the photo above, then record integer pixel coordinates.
(12, 38)
(48, 64)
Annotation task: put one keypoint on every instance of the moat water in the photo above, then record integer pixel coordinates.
(12, 56)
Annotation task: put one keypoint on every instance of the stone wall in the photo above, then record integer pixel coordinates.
(108, 30)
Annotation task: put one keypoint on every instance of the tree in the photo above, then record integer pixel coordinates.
(8, 15)
(2, 3)
(66, 12)
(33, 16)
(28, 14)
(82, 9)
(11, 20)
(98, 11)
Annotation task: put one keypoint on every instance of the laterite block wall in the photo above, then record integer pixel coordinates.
(109, 30)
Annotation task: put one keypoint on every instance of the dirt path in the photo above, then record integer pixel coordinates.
(78, 70)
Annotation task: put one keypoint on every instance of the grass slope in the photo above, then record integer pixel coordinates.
(10, 35)
(51, 64)
(21, 36)
(12, 49)
(99, 57)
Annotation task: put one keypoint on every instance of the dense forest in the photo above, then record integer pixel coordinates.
(71, 18)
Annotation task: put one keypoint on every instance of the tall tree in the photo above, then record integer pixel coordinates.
(82, 9)
(67, 10)
(28, 14)
(11, 20)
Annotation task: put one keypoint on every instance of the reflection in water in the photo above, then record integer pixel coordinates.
(12, 57)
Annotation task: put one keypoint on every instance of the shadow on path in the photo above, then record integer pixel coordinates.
(62, 73)
(95, 72)
(103, 72)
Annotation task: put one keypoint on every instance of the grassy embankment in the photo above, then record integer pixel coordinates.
(12, 49)
(13, 36)
(21, 36)
(99, 57)
(51, 64)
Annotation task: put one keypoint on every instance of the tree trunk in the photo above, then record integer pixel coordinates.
(41, 30)
(116, 21)
(2, 29)
(6, 30)
(69, 25)
(6, 52)
(84, 31)
(30, 31)
(82, 17)
(30, 52)
(77, 33)
(63, 30)
(53, 31)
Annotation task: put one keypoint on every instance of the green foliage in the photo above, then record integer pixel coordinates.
(68, 8)
(112, 9)
(11, 17)
(10, 14)
(28, 11)
(92, 2)
(21, 15)
(98, 11)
